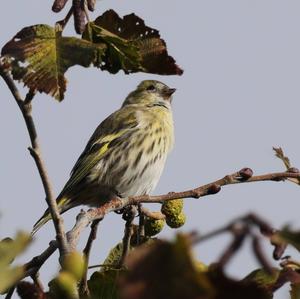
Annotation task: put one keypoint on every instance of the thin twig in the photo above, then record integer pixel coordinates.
(103, 265)
(198, 238)
(35, 151)
(141, 228)
(151, 214)
(260, 256)
(234, 246)
(29, 96)
(128, 232)
(36, 279)
(33, 266)
(84, 3)
(86, 251)
(65, 21)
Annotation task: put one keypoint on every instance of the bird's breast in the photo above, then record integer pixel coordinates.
(135, 166)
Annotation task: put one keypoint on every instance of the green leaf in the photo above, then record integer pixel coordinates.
(115, 253)
(269, 283)
(132, 46)
(103, 285)
(9, 249)
(64, 285)
(40, 56)
(114, 256)
(290, 237)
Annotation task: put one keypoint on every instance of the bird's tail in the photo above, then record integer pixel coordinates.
(62, 205)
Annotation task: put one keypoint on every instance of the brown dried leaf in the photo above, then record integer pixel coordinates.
(132, 46)
(27, 290)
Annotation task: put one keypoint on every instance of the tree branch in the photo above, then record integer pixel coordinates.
(117, 203)
(86, 217)
(35, 151)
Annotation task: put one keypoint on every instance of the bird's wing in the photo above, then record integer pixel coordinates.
(117, 127)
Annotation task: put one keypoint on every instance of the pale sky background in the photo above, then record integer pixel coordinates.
(238, 97)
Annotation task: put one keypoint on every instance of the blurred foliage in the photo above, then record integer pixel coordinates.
(9, 250)
(165, 269)
(105, 284)
(64, 285)
(295, 291)
(290, 237)
(75, 264)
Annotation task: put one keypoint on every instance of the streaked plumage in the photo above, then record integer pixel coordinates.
(127, 152)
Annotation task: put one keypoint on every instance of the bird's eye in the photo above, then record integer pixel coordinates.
(151, 88)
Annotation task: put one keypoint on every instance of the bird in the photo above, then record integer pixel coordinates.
(125, 155)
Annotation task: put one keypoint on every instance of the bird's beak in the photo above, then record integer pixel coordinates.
(168, 92)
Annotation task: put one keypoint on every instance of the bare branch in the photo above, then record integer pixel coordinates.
(239, 237)
(33, 266)
(129, 217)
(117, 203)
(154, 215)
(260, 256)
(141, 227)
(10, 292)
(65, 21)
(86, 251)
(29, 97)
(37, 281)
(85, 7)
(26, 109)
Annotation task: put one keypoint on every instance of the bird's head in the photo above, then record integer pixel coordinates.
(151, 92)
